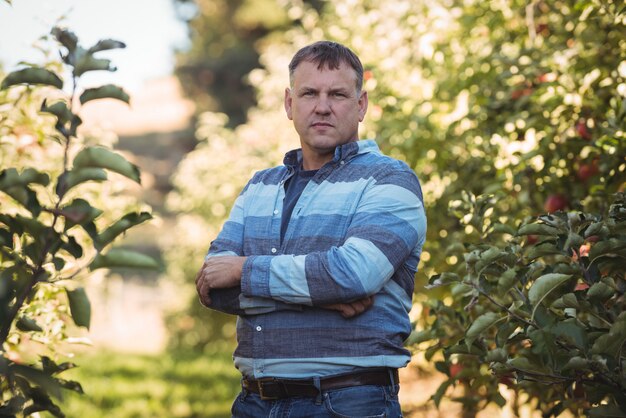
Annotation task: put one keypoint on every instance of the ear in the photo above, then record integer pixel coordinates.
(363, 102)
(288, 103)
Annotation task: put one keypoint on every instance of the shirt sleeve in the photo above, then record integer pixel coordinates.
(389, 226)
(230, 242)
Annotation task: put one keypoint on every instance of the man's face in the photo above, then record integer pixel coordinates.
(325, 109)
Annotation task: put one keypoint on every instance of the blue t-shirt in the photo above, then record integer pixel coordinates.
(293, 189)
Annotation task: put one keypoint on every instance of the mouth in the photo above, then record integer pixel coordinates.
(321, 125)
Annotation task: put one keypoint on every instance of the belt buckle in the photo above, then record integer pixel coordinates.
(260, 384)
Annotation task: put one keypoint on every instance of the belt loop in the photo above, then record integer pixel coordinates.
(244, 389)
(318, 386)
(392, 379)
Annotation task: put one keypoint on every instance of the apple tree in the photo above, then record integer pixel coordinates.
(63, 203)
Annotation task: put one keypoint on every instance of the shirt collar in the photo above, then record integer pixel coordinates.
(293, 158)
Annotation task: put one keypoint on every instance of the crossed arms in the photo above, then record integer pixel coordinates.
(387, 227)
(225, 272)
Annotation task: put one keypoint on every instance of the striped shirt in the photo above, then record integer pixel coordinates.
(357, 230)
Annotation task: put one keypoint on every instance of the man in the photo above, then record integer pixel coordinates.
(318, 258)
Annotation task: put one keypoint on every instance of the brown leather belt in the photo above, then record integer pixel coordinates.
(272, 388)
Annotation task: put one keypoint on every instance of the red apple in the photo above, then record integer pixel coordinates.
(516, 94)
(586, 171)
(506, 380)
(581, 286)
(582, 130)
(542, 29)
(555, 202)
(579, 390)
(455, 369)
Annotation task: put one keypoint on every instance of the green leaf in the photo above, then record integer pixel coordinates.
(21, 224)
(503, 229)
(50, 367)
(78, 212)
(612, 342)
(120, 226)
(576, 363)
(80, 307)
(596, 228)
(481, 324)
(538, 229)
(106, 44)
(543, 286)
(568, 300)
(72, 385)
(34, 75)
(440, 392)
(85, 62)
(26, 324)
(418, 337)
(10, 178)
(573, 241)
(497, 355)
(607, 411)
(72, 178)
(6, 238)
(15, 185)
(120, 258)
(442, 279)
(542, 250)
(611, 247)
(73, 247)
(507, 280)
(98, 157)
(600, 291)
(59, 263)
(571, 331)
(13, 406)
(46, 382)
(58, 109)
(65, 37)
(525, 365)
(108, 91)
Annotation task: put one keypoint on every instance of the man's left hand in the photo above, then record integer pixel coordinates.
(218, 273)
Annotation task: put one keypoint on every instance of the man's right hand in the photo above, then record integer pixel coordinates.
(352, 309)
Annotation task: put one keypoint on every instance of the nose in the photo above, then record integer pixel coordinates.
(322, 106)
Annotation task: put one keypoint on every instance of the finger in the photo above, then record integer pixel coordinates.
(347, 310)
(358, 307)
(205, 300)
(204, 292)
(200, 272)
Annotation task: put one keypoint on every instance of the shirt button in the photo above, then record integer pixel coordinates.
(275, 211)
(273, 250)
(258, 328)
(342, 162)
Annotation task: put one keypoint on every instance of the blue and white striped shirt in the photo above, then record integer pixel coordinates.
(357, 230)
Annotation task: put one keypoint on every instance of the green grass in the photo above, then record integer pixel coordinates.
(140, 386)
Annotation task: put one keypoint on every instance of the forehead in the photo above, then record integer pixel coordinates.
(307, 74)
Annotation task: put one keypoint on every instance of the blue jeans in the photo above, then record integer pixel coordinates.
(355, 401)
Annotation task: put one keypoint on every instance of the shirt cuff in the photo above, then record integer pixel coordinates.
(255, 276)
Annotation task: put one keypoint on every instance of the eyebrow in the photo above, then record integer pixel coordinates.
(342, 90)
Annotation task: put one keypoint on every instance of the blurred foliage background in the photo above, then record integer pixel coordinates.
(520, 101)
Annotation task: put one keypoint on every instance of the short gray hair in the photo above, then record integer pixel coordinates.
(327, 54)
